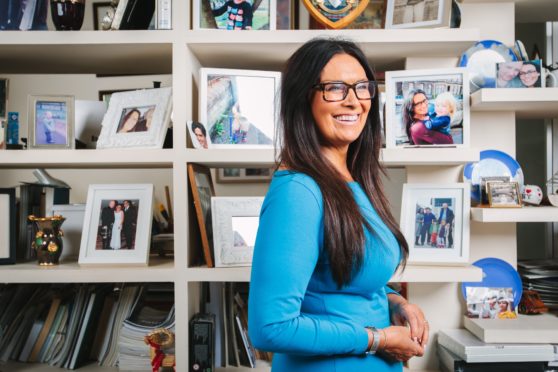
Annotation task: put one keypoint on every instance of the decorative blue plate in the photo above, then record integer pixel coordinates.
(481, 60)
(492, 163)
(496, 273)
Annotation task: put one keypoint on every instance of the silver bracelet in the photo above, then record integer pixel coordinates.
(375, 342)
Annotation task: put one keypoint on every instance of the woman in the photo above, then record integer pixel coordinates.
(129, 121)
(326, 224)
(415, 113)
(530, 75)
(116, 240)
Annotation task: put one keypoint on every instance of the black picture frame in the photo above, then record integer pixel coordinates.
(11, 215)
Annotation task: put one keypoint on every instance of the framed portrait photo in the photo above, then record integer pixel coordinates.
(198, 135)
(418, 13)
(427, 108)
(241, 175)
(235, 225)
(117, 225)
(435, 223)
(503, 194)
(8, 236)
(238, 107)
(3, 99)
(51, 122)
(137, 119)
(235, 15)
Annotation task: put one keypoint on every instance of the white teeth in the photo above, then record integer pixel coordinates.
(346, 117)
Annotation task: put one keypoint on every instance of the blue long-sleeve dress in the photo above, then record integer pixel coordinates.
(295, 307)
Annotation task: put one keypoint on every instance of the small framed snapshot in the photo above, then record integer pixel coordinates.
(117, 225)
(427, 108)
(8, 236)
(418, 13)
(242, 175)
(238, 107)
(235, 14)
(483, 197)
(198, 135)
(503, 194)
(202, 189)
(520, 74)
(235, 225)
(51, 122)
(3, 99)
(136, 119)
(100, 9)
(435, 222)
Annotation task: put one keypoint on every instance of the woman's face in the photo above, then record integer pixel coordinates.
(118, 208)
(508, 71)
(528, 75)
(420, 104)
(201, 138)
(131, 122)
(340, 123)
(503, 305)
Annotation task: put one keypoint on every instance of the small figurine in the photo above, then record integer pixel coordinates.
(531, 303)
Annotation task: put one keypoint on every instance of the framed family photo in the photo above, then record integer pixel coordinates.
(3, 99)
(435, 223)
(235, 15)
(8, 236)
(242, 175)
(51, 122)
(235, 225)
(136, 119)
(238, 107)
(427, 108)
(117, 224)
(418, 13)
(198, 135)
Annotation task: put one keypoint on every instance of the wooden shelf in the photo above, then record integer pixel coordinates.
(532, 103)
(385, 49)
(159, 270)
(525, 214)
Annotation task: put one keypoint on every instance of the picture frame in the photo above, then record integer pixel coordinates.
(136, 119)
(503, 194)
(105, 95)
(520, 74)
(201, 186)
(435, 223)
(124, 238)
(99, 11)
(238, 107)
(4, 90)
(198, 135)
(422, 14)
(243, 175)
(442, 95)
(264, 17)
(235, 225)
(8, 237)
(51, 122)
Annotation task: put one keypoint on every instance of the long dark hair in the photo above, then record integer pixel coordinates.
(408, 112)
(301, 152)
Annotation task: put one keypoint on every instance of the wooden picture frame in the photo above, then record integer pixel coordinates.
(503, 194)
(8, 237)
(202, 188)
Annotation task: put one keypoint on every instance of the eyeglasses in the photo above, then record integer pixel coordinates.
(424, 101)
(337, 90)
(528, 73)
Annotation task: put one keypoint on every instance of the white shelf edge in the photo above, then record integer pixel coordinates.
(526, 103)
(525, 214)
(89, 37)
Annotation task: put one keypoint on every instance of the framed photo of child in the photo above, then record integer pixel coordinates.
(51, 122)
(435, 222)
(427, 108)
(235, 14)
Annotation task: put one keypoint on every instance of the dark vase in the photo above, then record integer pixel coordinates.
(48, 239)
(67, 15)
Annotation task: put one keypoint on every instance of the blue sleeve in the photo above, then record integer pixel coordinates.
(437, 122)
(285, 256)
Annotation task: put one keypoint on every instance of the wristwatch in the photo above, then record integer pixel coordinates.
(375, 342)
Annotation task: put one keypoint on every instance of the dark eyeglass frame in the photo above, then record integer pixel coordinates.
(372, 83)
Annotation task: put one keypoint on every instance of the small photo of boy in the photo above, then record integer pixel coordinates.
(236, 14)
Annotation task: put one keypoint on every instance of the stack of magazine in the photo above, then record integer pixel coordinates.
(541, 276)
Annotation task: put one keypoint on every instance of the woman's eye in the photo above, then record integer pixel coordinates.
(334, 88)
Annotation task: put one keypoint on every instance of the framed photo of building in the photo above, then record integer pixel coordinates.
(4, 99)
(137, 119)
(427, 108)
(235, 15)
(235, 225)
(418, 13)
(435, 222)
(238, 107)
(51, 122)
(8, 236)
(117, 224)
(503, 194)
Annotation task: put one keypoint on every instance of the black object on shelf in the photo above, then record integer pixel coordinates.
(137, 15)
(202, 343)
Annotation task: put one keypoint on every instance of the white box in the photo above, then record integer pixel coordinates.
(72, 227)
(526, 329)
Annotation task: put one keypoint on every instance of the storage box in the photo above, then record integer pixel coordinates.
(526, 329)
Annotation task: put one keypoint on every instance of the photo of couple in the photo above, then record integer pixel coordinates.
(523, 74)
(135, 119)
(117, 224)
(434, 223)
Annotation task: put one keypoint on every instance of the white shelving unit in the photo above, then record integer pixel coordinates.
(535, 103)
(525, 214)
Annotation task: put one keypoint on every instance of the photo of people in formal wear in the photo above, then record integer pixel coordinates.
(429, 111)
(522, 74)
(236, 14)
(135, 119)
(434, 222)
(51, 123)
(117, 224)
(415, 11)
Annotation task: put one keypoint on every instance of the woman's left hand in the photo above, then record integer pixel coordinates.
(403, 312)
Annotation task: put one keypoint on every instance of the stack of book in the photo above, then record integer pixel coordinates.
(541, 276)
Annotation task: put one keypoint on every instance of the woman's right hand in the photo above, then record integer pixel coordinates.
(400, 346)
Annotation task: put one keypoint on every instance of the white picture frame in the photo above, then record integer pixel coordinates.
(136, 119)
(263, 19)
(424, 246)
(51, 121)
(238, 107)
(450, 84)
(235, 224)
(423, 14)
(93, 250)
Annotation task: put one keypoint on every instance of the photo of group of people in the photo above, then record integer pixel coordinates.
(490, 303)
(434, 223)
(135, 119)
(51, 123)
(117, 224)
(522, 74)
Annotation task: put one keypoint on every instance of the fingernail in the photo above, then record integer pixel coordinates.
(415, 339)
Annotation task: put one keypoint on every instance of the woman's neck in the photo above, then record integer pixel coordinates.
(338, 158)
